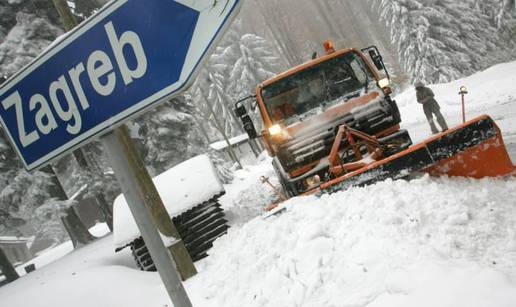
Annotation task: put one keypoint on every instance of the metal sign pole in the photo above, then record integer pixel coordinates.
(462, 93)
(129, 174)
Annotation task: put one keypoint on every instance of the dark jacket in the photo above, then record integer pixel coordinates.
(425, 96)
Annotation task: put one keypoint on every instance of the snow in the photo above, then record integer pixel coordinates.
(349, 248)
(235, 140)
(431, 242)
(246, 196)
(99, 230)
(45, 257)
(181, 188)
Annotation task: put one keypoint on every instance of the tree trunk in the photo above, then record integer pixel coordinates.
(69, 21)
(101, 202)
(105, 209)
(78, 233)
(7, 268)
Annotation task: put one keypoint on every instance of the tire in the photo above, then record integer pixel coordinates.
(396, 115)
(288, 189)
(198, 227)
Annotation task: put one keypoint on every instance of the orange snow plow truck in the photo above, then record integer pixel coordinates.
(331, 123)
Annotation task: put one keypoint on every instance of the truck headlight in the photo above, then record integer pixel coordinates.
(384, 83)
(275, 130)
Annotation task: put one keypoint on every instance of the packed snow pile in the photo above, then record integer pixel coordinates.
(428, 242)
(246, 197)
(182, 187)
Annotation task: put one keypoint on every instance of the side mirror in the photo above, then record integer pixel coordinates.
(249, 127)
(240, 109)
(377, 59)
(247, 122)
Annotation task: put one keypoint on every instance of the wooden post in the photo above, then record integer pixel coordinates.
(68, 19)
(462, 93)
(7, 268)
(139, 190)
(463, 110)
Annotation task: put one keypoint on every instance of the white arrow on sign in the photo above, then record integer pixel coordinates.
(211, 13)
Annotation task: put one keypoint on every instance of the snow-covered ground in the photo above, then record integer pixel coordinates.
(429, 242)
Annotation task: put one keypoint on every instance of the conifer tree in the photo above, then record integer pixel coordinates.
(439, 41)
(168, 135)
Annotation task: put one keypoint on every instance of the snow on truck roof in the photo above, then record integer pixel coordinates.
(181, 188)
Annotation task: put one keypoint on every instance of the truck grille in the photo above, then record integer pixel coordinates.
(315, 142)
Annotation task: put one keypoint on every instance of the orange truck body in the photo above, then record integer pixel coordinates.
(357, 140)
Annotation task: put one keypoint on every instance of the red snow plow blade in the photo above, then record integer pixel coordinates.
(474, 149)
(488, 158)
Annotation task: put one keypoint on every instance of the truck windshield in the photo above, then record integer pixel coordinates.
(316, 88)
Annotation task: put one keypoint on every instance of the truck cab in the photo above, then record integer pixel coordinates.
(302, 109)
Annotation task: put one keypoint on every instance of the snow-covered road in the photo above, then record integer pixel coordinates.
(436, 242)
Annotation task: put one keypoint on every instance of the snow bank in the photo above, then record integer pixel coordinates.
(247, 196)
(370, 246)
(99, 230)
(430, 242)
(47, 256)
(181, 188)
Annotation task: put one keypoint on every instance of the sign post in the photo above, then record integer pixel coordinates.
(462, 93)
(123, 61)
(143, 199)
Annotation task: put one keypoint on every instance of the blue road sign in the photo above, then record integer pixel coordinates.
(130, 56)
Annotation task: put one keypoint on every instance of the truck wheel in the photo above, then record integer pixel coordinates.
(395, 110)
(288, 189)
(198, 227)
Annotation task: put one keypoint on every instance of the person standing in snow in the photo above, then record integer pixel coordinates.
(425, 96)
